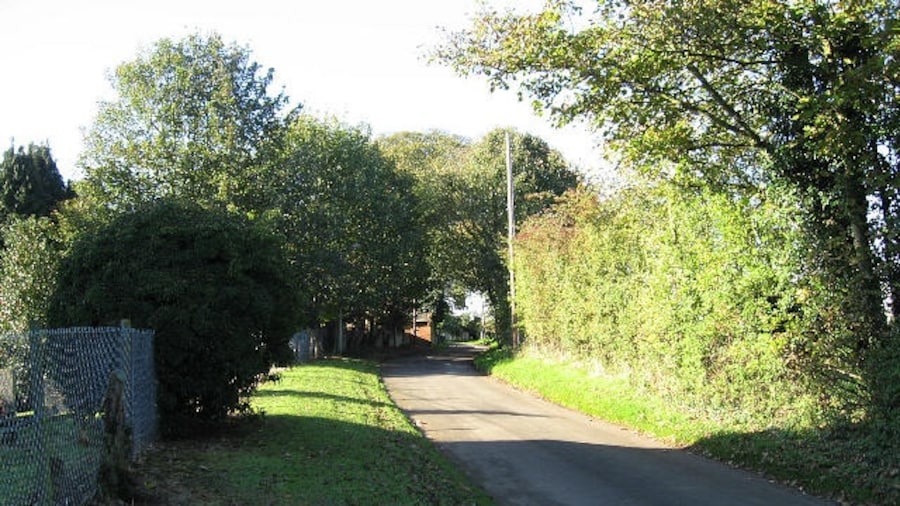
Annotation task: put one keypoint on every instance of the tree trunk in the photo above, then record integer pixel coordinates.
(866, 285)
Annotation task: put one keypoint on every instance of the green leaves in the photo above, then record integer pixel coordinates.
(351, 220)
(214, 286)
(737, 96)
(28, 263)
(688, 294)
(193, 119)
(31, 184)
(462, 188)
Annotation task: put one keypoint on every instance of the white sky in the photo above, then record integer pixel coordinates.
(362, 61)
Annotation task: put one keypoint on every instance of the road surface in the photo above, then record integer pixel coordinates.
(525, 451)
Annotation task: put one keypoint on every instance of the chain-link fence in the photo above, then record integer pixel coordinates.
(53, 388)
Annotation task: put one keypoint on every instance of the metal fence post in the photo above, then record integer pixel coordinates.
(36, 397)
(126, 349)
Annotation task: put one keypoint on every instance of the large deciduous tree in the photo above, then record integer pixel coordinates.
(351, 221)
(735, 94)
(432, 160)
(193, 118)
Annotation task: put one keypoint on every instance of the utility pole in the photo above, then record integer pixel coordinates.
(511, 235)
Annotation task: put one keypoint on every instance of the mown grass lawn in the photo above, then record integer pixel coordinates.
(855, 465)
(330, 435)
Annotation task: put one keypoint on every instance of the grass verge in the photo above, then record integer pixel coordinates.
(852, 464)
(329, 435)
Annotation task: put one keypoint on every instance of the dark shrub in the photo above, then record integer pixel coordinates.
(212, 285)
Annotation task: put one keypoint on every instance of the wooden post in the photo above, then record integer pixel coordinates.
(117, 446)
(511, 236)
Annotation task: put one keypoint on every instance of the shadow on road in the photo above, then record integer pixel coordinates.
(526, 451)
(456, 359)
(611, 475)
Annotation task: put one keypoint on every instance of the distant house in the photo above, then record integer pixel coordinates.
(422, 330)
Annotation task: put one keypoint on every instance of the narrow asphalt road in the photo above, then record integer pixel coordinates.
(524, 451)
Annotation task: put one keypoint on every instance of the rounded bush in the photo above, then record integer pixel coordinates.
(213, 285)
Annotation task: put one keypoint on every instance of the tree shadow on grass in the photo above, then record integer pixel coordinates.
(294, 459)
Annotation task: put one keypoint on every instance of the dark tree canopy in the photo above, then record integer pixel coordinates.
(351, 221)
(31, 185)
(214, 287)
(432, 160)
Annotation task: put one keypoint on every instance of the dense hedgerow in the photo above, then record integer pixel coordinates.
(707, 299)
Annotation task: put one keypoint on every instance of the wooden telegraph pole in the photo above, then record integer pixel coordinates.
(511, 235)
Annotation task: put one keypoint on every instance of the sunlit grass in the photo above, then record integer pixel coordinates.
(330, 435)
(857, 464)
(608, 397)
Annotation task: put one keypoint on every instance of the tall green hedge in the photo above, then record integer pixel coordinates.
(704, 298)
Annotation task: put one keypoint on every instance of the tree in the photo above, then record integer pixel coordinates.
(465, 185)
(351, 222)
(214, 286)
(540, 175)
(193, 119)
(735, 94)
(28, 263)
(31, 185)
(432, 160)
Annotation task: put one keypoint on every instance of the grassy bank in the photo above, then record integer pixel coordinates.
(330, 435)
(854, 464)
